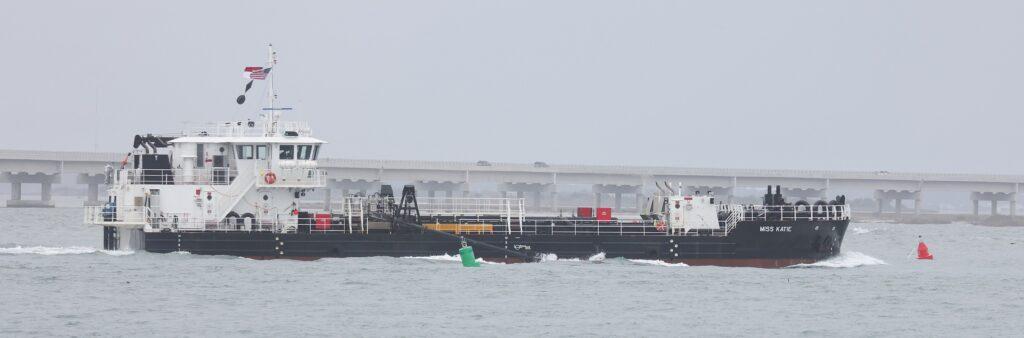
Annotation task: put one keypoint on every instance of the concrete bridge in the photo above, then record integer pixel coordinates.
(539, 182)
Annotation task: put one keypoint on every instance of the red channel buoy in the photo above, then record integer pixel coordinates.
(922, 251)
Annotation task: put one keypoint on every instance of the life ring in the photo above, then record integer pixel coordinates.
(660, 225)
(270, 178)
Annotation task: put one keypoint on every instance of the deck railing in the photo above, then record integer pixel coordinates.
(795, 212)
(356, 213)
(119, 216)
(195, 176)
(243, 129)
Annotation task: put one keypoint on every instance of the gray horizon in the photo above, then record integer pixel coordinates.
(924, 86)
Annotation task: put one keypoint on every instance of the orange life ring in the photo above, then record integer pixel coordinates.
(660, 225)
(270, 178)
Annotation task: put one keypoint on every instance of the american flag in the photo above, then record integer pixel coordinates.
(256, 73)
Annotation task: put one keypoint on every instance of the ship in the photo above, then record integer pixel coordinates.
(238, 188)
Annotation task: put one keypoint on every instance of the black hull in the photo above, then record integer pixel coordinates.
(757, 244)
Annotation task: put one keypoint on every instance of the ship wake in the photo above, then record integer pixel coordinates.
(447, 258)
(54, 251)
(656, 262)
(550, 257)
(851, 259)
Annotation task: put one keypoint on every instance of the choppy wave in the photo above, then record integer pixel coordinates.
(117, 252)
(448, 258)
(438, 257)
(601, 257)
(52, 251)
(850, 259)
(656, 262)
(550, 257)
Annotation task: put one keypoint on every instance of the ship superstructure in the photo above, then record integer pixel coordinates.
(237, 175)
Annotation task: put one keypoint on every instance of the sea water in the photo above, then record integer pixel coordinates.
(55, 281)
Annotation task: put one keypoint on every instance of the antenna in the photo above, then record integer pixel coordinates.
(271, 94)
(271, 60)
(271, 119)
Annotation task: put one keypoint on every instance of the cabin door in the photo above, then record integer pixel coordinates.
(153, 201)
(220, 169)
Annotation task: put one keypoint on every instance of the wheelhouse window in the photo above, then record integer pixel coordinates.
(316, 151)
(261, 152)
(245, 152)
(305, 151)
(287, 152)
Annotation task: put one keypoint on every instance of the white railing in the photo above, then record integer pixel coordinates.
(795, 212)
(300, 127)
(509, 209)
(355, 211)
(196, 176)
(733, 213)
(119, 216)
(189, 222)
(243, 129)
(355, 207)
(228, 129)
(464, 206)
(380, 205)
(592, 227)
(230, 196)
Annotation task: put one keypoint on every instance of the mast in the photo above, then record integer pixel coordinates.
(271, 94)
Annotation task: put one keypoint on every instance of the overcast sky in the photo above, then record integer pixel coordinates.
(860, 85)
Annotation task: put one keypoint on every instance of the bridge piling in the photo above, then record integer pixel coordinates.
(994, 198)
(93, 181)
(616, 191)
(17, 181)
(897, 197)
(16, 190)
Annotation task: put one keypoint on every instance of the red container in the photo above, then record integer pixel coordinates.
(323, 221)
(604, 214)
(585, 212)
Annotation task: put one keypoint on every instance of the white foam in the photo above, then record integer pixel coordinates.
(447, 258)
(53, 251)
(860, 231)
(850, 259)
(596, 257)
(437, 258)
(550, 257)
(47, 251)
(656, 262)
(117, 252)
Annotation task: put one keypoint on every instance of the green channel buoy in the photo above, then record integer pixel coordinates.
(468, 258)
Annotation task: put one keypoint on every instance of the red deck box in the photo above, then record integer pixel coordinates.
(323, 221)
(585, 212)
